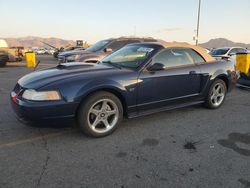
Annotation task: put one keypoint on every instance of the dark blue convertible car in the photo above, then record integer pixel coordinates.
(138, 79)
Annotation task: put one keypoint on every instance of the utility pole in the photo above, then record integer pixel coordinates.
(198, 24)
(134, 30)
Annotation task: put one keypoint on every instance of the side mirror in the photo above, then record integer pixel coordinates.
(156, 67)
(108, 50)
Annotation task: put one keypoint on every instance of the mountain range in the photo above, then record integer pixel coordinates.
(32, 41)
(222, 42)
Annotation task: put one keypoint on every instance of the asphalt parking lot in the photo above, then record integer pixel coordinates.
(191, 147)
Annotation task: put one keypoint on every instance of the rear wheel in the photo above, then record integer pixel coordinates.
(100, 114)
(217, 94)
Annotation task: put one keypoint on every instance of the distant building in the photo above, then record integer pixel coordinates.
(3, 43)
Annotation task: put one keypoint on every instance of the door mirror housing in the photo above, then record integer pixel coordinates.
(108, 50)
(156, 67)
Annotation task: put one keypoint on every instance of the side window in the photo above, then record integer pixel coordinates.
(233, 51)
(241, 50)
(174, 57)
(116, 45)
(196, 57)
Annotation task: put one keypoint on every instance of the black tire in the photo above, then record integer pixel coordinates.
(84, 114)
(2, 63)
(209, 103)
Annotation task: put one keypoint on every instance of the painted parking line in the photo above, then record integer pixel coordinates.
(30, 140)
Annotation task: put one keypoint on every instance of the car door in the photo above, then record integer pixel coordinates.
(178, 82)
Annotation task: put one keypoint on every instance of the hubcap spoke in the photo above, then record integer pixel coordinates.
(212, 97)
(104, 105)
(106, 123)
(110, 113)
(218, 89)
(95, 112)
(220, 95)
(95, 123)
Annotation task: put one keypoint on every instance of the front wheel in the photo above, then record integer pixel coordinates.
(100, 114)
(217, 94)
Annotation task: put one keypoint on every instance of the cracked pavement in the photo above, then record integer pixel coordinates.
(143, 152)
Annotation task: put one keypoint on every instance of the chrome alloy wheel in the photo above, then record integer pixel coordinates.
(218, 94)
(103, 115)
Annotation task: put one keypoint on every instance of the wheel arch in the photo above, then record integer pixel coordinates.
(224, 78)
(223, 75)
(112, 90)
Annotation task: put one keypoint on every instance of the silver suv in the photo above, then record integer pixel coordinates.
(103, 48)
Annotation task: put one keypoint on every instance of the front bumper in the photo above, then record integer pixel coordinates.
(39, 112)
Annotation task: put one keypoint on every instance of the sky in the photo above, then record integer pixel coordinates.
(93, 20)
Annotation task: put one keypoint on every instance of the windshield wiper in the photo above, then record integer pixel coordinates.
(112, 64)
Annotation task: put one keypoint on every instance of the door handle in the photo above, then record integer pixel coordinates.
(192, 72)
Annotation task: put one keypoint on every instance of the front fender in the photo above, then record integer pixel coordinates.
(96, 85)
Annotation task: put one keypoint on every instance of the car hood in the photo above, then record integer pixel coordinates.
(72, 52)
(86, 52)
(44, 77)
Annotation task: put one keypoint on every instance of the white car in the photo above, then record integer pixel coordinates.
(40, 51)
(227, 53)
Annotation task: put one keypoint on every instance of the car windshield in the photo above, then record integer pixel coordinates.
(98, 46)
(219, 51)
(129, 56)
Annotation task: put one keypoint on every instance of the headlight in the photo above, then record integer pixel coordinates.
(77, 57)
(33, 95)
(71, 58)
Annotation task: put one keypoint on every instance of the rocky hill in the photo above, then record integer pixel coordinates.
(31, 41)
(222, 42)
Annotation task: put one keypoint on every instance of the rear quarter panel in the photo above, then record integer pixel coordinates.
(217, 69)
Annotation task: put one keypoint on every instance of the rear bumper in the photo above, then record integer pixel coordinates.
(40, 112)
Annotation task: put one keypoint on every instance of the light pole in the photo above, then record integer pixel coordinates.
(198, 24)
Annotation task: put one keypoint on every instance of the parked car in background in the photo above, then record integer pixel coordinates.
(227, 53)
(14, 53)
(139, 79)
(65, 50)
(40, 51)
(50, 51)
(4, 58)
(69, 56)
(103, 48)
